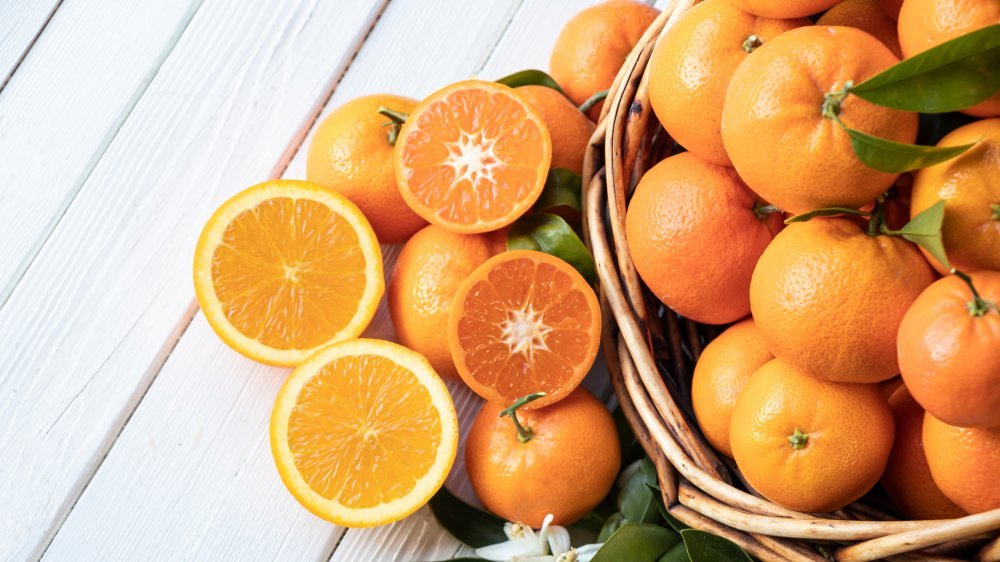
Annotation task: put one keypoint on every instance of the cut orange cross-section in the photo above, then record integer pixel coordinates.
(364, 432)
(524, 322)
(472, 157)
(285, 268)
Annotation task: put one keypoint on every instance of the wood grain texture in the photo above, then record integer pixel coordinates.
(21, 22)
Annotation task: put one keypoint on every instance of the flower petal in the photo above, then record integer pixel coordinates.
(505, 551)
(586, 552)
(558, 539)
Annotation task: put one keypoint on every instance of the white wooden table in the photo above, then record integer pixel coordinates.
(128, 431)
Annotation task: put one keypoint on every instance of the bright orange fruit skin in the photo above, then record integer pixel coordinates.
(964, 463)
(868, 16)
(950, 359)
(722, 372)
(970, 188)
(694, 237)
(569, 128)
(772, 119)
(829, 298)
(566, 469)
(691, 66)
(783, 8)
(907, 477)
(850, 434)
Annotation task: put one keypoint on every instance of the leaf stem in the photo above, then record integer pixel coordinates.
(396, 120)
(763, 211)
(524, 434)
(996, 211)
(593, 100)
(876, 221)
(751, 43)
(833, 100)
(978, 306)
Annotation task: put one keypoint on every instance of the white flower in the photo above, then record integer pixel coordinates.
(550, 544)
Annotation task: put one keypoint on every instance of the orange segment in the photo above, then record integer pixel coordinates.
(472, 157)
(364, 432)
(524, 322)
(287, 267)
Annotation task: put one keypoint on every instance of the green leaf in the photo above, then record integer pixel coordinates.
(637, 542)
(706, 547)
(593, 100)
(637, 500)
(825, 212)
(898, 157)
(562, 189)
(954, 75)
(924, 230)
(610, 526)
(678, 553)
(530, 77)
(468, 524)
(544, 232)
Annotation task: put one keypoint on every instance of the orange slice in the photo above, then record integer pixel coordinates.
(472, 157)
(364, 432)
(524, 322)
(285, 268)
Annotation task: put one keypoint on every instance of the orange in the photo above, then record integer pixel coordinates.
(566, 467)
(808, 444)
(890, 8)
(568, 127)
(774, 119)
(472, 157)
(971, 193)
(927, 23)
(964, 462)
(784, 8)
(866, 15)
(948, 350)
(695, 235)
(428, 271)
(722, 372)
(351, 153)
(524, 322)
(692, 64)
(907, 477)
(593, 45)
(285, 268)
(363, 433)
(829, 298)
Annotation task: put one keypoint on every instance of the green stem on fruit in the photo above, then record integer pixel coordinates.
(798, 439)
(978, 306)
(396, 120)
(876, 221)
(593, 100)
(996, 211)
(833, 100)
(751, 43)
(763, 211)
(524, 434)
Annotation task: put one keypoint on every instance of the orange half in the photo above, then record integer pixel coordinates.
(472, 157)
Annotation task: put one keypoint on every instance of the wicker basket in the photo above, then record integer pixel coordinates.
(650, 352)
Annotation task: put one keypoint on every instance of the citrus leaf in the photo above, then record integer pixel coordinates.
(610, 526)
(593, 100)
(678, 553)
(825, 212)
(530, 77)
(924, 230)
(954, 75)
(637, 542)
(706, 547)
(468, 524)
(894, 157)
(562, 189)
(551, 234)
(637, 500)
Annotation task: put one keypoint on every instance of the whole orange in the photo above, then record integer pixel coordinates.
(569, 128)
(808, 444)
(866, 15)
(927, 23)
(971, 193)
(949, 350)
(566, 467)
(722, 372)
(784, 8)
(907, 477)
(781, 114)
(351, 153)
(695, 232)
(690, 68)
(829, 298)
(428, 271)
(891, 8)
(594, 44)
(964, 462)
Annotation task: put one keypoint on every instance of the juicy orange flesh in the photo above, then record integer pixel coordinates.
(289, 273)
(534, 304)
(363, 431)
(473, 155)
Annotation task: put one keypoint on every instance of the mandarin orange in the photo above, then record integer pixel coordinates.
(868, 16)
(963, 462)
(568, 127)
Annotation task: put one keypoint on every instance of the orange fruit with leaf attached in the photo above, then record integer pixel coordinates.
(907, 477)
(928, 23)
(690, 69)
(428, 271)
(565, 468)
(948, 350)
(971, 193)
(568, 127)
(783, 8)
(963, 462)
(721, 374)
(808, 444)
(593, 45)
(829, 298)
(783, 112)
(351, 152)
(472, 157)
(695, 232)
(866, 15)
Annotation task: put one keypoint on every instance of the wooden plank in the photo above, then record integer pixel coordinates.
(104, 301)
(21, 22)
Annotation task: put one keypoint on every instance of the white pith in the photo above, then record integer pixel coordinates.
(524, 331)
(472, 157)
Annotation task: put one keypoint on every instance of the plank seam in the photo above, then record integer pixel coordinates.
(31, 44)
(503, 33)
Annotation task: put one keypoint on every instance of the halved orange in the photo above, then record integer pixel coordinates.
(524, 322)
(472, 157)
(364, 432)
(285, 268)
